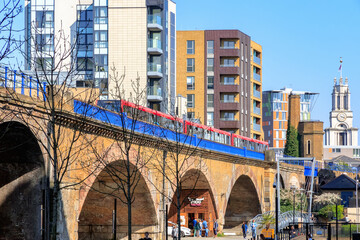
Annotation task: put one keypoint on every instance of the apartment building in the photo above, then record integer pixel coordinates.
(275, 114)
(137, 38)
(215, 73)
(256, 90)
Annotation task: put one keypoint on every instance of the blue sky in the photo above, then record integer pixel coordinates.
(302, 41)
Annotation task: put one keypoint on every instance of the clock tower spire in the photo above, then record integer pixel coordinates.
(341, 131)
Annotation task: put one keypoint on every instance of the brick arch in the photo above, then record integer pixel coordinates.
(243, 198)
(204, 187)
(22, 171)
(97, 200)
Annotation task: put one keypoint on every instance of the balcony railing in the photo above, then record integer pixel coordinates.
(228, 65)
(154, 67)
(257, 60)
(228, 101)
(256, 93)
(154, 91)
(232, 47)
(256, 127)
(228, 119)
(228, 83)
(154, 43)
(256, 110)
(257, 77)
(155, 19)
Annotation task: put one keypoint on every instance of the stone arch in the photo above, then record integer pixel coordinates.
(21, 182)
(95, 218)
(196, 185)
(244, 202)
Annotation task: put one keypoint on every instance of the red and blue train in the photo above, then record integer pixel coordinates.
(185, 126)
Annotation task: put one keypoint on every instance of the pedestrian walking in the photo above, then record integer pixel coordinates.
(194, 226)
(205, 226)
(200, 227)
(216, 226)
(175, 232)
(253, 227)
(244, 229)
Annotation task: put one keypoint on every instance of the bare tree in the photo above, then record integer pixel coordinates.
(119, 173)
(9, 10)
(62, 137)
(181, 164)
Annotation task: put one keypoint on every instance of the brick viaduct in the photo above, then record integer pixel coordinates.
(238, 188)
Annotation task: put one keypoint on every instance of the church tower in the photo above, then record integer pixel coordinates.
(341, 131)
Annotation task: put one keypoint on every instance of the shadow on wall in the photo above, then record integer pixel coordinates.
(21, 190)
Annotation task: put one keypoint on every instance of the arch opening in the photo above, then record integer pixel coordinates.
(197, 201)
(21, 185)
(95, 221)
(243, 203)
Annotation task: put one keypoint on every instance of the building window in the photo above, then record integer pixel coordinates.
(336, 150)
(284, 115)
(190, 115)
(308, 147)
(228, 62)
(276, 134)
(228, 98)
(269, 133)
(277, 115)
(229, 80)
(277, 143)
(210, 64)
(356, 152)
(190, 100)
(210, 82)
(210, 119)
(44, 19)
(190, 47)
(228, 116)
(210, 100)
(229, 44)
(210, 47)
(190, 83)
(190, 65)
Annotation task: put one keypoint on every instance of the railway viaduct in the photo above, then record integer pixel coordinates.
(230, 188)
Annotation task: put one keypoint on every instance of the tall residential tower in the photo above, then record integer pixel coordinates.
(219, 71)
(137, 37)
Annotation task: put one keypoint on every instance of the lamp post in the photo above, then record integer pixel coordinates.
(293, 188)
(301, 198)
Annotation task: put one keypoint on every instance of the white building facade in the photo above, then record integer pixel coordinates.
(137, 38)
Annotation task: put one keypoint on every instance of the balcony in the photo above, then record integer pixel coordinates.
(229, 87)
(257, 77)
(154, 94)
(256, 94)
(257, 60)
(154, 23)
(256, 127)
(229, 123)
(154, 47)
(229, 52)
(229, 69)
(227, 105)
(154, 70)
(256, 110)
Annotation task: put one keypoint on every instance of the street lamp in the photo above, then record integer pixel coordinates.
(301, 198)
(293, 188)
